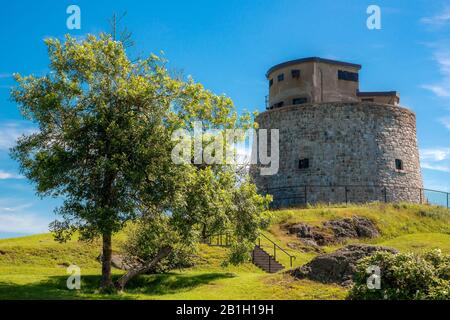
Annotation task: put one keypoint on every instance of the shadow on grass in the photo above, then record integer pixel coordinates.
(170, 283)
(159, 284)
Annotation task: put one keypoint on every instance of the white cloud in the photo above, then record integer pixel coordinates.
(22, 223)
(435, 154)
(440, 91)
(15, 219)
(437, 159)
(446, 122)
(441, 55)
(439, 19)
(430, 166)
(10, 132)
(8, 175)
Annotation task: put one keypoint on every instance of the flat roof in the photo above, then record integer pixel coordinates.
(311, 59)
(376, 93)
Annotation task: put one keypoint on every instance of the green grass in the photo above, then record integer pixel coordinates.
(35, 267)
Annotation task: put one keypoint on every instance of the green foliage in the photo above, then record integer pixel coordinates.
(215, 203)
(405, 276)
(104, 143)
(149, 235)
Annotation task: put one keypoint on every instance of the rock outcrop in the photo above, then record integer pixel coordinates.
(334, 231)
(339, 266)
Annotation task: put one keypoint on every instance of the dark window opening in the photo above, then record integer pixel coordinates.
(277, 105)
(295, 74)
(367, 100)
(280, 77)
(270, 82)
(299, 100)
(303, 164)
(398, 164)
(348, 76)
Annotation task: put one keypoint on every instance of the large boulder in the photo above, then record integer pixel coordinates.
(355, 227)
(334, 231)
(339, 266)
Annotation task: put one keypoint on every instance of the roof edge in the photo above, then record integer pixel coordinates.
(376, 93)
(311, 59)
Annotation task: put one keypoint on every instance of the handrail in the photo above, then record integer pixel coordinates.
(291, 257)
(228, 238)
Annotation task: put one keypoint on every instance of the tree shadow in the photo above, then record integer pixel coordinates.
(170, 283)
(55, 287)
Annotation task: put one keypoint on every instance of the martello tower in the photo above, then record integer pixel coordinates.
(337, 143)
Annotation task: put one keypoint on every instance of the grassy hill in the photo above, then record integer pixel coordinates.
(35, 267)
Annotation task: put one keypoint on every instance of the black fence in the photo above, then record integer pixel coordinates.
(304, 194)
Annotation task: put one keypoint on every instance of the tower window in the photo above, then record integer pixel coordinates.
(299, 100)
(348, 76)
(280, 77)
(295, 74)
(270, 82)
(367, 100)
(303, 163)
(398, 164)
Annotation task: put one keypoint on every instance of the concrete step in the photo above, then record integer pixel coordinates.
(261, 259)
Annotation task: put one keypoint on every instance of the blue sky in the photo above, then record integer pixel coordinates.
(228, 46)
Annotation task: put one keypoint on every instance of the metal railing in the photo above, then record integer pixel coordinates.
(224, 240)
(304, 194)
(275, 246)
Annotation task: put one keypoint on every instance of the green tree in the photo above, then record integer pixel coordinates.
(102, 142)
(104, 136)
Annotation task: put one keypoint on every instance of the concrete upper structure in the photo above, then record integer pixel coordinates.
(317, 80)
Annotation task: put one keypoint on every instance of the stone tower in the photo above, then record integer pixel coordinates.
(337, 144)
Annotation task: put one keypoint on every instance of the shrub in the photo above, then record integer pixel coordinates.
(404, 276)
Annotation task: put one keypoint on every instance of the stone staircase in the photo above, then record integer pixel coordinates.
(265, 261)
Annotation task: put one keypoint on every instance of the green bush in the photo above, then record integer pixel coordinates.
(404, 276)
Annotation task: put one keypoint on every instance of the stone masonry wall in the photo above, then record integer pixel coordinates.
(351, 149)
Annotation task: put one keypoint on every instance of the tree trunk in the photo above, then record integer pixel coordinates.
(106, 262)
(162, 253)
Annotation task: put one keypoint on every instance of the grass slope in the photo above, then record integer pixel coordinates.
(35, 267)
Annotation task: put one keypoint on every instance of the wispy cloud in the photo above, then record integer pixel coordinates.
(439, 19)
(446, 122)
(9, 175)
(11, 131)
(436, 159)
(441, 56)
(436, 167)
(5, 75)
(19, 218)
(22, 223)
